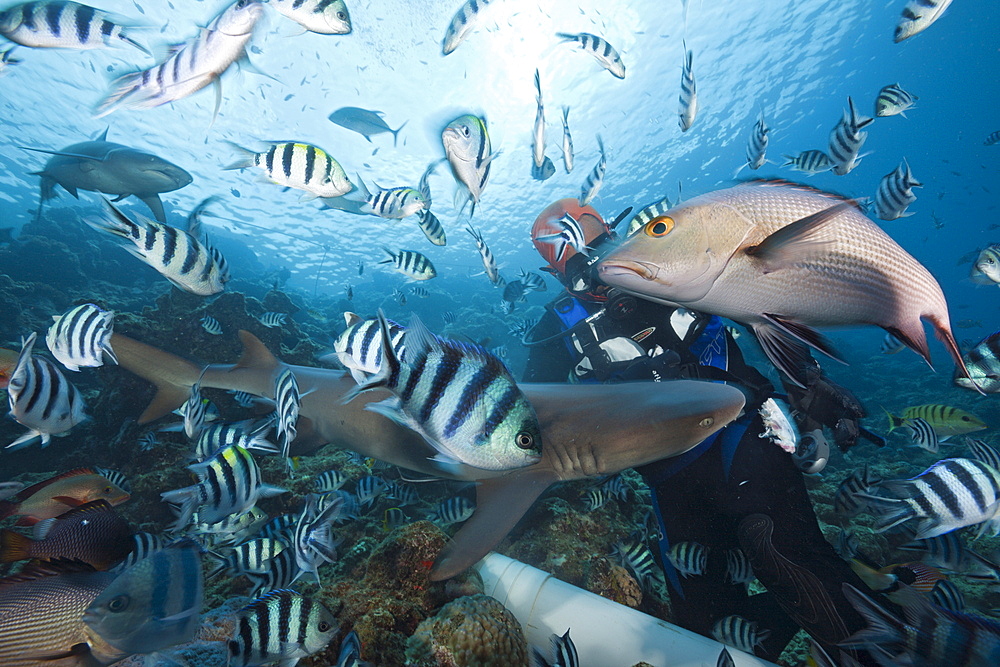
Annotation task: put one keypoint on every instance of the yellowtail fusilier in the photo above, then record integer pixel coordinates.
(567, 143)
(281, 626)
(688, 101)
(465, 20)
(647, 213)
(986, 268)
(541, 166)
(595, 179)
(298, 165)
(983, 362)
(363, 121)
(41, 398)
(846, 140)
(411, 264)
(63, 25)
(324, 17)
(945, 419)
(739, 633)
(228, 483)
(459, 397)
(895, 193)
(81, 337)
(467, 147)
(190, 67)
(892, 100)
(918, 15)
(359, 348)
(489, 261)
(154, 604)
(809, 162)
(813, 259)
(600, 49)
(176, 255)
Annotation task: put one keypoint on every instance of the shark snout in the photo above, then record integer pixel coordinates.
(170, 175)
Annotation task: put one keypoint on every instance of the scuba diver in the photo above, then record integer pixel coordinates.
(736, 490)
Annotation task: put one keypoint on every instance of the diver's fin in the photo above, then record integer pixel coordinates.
(500, 504)
(155, 205)
(797, 241)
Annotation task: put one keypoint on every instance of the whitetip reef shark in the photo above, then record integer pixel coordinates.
(587, 430)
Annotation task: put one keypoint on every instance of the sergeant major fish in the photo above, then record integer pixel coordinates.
(489, 261)
(287, 404)
(688, 100)
(541, 167)
(756, 146)
(809, 162)
(595, 179)
(81, 337)
(846, 140)
(359, 347)
(983, 362)
(395, 203)
(431, 227)
(895, 193)
(600, 49)
(472, 412)
(465, 20)
(324, 17)
(282, 626)
(892, 100)
(63, 24)
(918, 15)
(411, 264)
(739, 633)
(813, 260)
(190, 67)
(298, 165)
(567, 143)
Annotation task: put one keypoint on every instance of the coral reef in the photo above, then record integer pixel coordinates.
(472, 631)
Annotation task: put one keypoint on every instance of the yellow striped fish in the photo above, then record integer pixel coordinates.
(944, 419)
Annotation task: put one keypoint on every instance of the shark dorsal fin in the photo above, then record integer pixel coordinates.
(104, 135)
(255, 353)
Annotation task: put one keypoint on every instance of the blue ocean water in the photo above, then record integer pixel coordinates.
(795, 61)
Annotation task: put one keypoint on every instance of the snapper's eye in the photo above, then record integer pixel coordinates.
(659, 226)
(524, 440)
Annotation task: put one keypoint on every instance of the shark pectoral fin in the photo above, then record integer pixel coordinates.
(500, 504)
(155, 205)
(119, 198)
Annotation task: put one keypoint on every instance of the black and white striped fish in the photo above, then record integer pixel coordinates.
(993, 139)
(323, 17)
(616, 486)
(541, 166)
(287, 401)
(459, 397)
(411, 264)
(532, 281)
(191, 66)
(489, 262)
(176, 255)
(281, 571)
(271, 320)
(600, 49)
(892, 100)
(281, 626)
(570, 235)
(359, 347)
(595, 179)
(63, 24)
(228, 483)
(243, 399)
(350, 652)
(404, 494)
(895, 193)
(891, 345)
(369, 488)
(983, 452)
(739, 633)
(143, 545)
(211, 325)
(950, 554)
(688, 100)
(220, 434)
(147, 441)
(809, 162)
(847, 502)
(738, 568)
(419, 292)
(756, 145)
(689, 558)
(280, 528)
(297, 165)
(399, 296)
(41, 398)
(847, 545)
(394, 203)
(453, 510)
(467, 147)
(194, 219)
(431, 227)
(7, 61)
(951, 494)
(233, 529)
(923, 435)
(918, 15)
(115, 477)
(465, 20)
(328, 481)
(567, 142)
(194, 411)
(313, 537)
(449, 317)
(250, 557)
(647, 213)
(846, 140)
(637, 557)
(947, 596)
(81, 337)
(564, 653)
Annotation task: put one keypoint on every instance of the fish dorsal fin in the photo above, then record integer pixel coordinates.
(26, 493)
(352, 318)
(37, 569)
(255, 353)
(86, 508)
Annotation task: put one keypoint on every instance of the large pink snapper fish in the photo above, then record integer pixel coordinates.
(782, 258)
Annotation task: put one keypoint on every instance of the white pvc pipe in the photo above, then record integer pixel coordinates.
(606, 634)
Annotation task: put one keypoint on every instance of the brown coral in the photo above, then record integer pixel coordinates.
(472, 631)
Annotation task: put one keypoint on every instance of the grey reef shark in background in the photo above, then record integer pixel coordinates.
(102, 166)
(587, 430)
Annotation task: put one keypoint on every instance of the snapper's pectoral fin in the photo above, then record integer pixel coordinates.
(155, 205)
(785, 343)
(500, 504)
(798, 241)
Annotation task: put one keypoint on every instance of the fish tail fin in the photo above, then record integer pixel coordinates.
(395, 133)
(246, 158)
(218, 563)
(883, 628)
(566, 37)
(186, 500)
(172, 375)
(943, 332)
(894, 421)
(890, 511)
(121, 89)
(14, 546)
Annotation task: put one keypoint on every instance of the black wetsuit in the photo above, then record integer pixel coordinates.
(727, 493)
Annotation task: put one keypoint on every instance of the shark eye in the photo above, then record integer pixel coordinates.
(524, 440)
(706, 422)
(659, 226)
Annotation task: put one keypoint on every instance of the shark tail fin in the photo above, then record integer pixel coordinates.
(172, 375)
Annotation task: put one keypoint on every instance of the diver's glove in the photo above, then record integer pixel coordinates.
(823, 402)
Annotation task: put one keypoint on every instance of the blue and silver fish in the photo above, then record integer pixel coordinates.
(918, 15)
(323, 17)
(81, 337)
(467, 147)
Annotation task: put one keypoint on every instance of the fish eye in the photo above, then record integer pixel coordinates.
(706, 422)
(323, 626)
(107, 490)
(659, 226)
(524, 440)
(342, 16)
(965, 418)
(466, 131)
(118, 603)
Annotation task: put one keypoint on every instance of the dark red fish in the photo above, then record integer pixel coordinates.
(58, 494)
